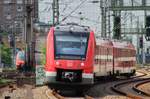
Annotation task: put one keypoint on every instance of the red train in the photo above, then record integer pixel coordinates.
(75, 57)
(20, 60)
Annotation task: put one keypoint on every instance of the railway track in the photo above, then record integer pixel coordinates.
(15, 73)
(17, 78)
(133, 81)
(135, 88)
(104, 89)
(120, 88)
(19, 82)
(88, 96)
(13, 91)
(51, 94)
(129, 87)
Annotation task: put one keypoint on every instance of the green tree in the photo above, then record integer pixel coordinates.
(43, 56)
(6, 55)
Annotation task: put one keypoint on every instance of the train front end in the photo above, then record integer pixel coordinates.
(70, 56)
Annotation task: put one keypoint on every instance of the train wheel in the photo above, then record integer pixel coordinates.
(128, 75)
(117, 73)
(109, 73)
(133, 72)
(113, 77)
(80, 92)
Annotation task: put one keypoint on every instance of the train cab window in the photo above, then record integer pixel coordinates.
(70, 45)
(20, 55)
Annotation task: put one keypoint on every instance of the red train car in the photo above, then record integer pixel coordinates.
(103, 58)
(124, 58)
(20, 60)
(74, 57)
(69, 55)
(114, 58)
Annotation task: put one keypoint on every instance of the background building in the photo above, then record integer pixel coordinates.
(12, 13)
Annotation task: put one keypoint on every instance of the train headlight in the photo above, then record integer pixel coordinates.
(72, 28)
(57, 63)
(82, 64)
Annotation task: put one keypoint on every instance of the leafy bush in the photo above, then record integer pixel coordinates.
(6, 55)
(43, 56)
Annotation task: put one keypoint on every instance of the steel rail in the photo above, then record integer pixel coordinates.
(135, 88)
(115, 88)
(55, 94)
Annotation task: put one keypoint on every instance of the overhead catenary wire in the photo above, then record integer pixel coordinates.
(76, 8)
(94, 21)
(66, 5)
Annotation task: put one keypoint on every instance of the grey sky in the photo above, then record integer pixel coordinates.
(91, 14)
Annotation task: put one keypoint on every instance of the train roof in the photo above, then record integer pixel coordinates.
(131, 46)
(123, 44)
(72, 27)
(114, 43)
(119, 44)
(104, 42)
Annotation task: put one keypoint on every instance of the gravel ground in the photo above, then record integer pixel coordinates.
(115, 97)
(145, 87)
(40, 93)
(26, 92)
(19, 93)
(106, 97)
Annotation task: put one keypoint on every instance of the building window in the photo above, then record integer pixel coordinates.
(19, 15)
(19, 8)
(7, 9)
(148, 51)
(19, 1)
(8, 16)
(7, 1)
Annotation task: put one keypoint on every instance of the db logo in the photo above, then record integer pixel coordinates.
(69, 64)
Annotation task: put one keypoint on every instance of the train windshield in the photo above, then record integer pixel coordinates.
(71, 45)
(21, 55)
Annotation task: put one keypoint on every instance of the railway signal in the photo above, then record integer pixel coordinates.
(147, 35)
(117, 27)
(141, 42)
(11, 40)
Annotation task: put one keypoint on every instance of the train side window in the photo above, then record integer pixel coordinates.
(97, 54)
(118, 52)
(100, 54)
(107, 54)
(128, 52)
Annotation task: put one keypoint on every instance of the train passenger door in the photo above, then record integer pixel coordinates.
(117, 57)
(96, 64)
(105, 57)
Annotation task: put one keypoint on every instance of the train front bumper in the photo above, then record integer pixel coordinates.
(87, 81)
